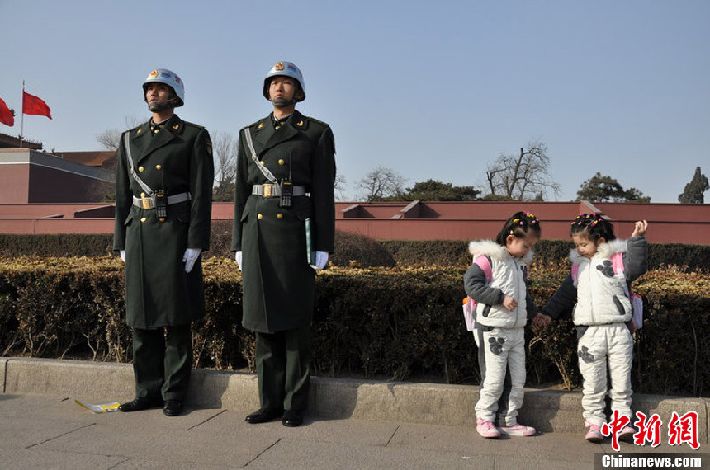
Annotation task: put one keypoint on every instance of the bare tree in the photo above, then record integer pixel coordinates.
(341, 184)
(522, 177)
(224, 151)
(381, 184)
(111, 138)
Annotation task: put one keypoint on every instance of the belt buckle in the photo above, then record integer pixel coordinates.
(146, 202)
(267, 189)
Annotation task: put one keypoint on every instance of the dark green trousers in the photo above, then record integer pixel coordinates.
(283, 362)
(162, 362)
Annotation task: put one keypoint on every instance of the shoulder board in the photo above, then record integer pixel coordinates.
(255, 124)
(315, 121)
(191, 124)
(138, 130)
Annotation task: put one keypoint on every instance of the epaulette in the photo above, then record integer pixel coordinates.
(254, 124)
(192, 124)
(316, 121)
(139, 129)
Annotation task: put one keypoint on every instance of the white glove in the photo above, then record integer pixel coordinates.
(189, 258)
(321, 259)
(238, 259)
(123, 255)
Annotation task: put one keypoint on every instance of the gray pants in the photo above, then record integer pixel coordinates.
(504, 350)
(507, 384)
(600, 348)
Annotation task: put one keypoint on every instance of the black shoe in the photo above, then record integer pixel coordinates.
(172, 408)
(292, 419)
(263, 416)
(140, 404)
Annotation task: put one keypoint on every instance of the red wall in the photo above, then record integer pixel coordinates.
(669, 223)
(14, 181)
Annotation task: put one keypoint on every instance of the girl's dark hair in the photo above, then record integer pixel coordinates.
(594, 226)
(519, 225)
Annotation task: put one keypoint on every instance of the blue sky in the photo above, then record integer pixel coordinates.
(430, 89)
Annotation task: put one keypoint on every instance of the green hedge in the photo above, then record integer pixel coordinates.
(65, 244)
(394, 323)
(351, 250)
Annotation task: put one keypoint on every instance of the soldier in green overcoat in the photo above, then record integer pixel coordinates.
(164, 178)
(284, 224)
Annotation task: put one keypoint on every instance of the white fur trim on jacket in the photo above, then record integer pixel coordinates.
(493, 250)
(507, 276)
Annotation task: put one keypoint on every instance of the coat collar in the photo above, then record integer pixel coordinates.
(605, 251)
(495, 251)
(143, 143)
(267, 137)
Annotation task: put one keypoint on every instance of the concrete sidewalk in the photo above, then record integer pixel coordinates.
(46, 431)
(422, 403)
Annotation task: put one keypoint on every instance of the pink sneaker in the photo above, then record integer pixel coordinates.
(594, 434)
(487, 429)
(627, 434)
(518, 430)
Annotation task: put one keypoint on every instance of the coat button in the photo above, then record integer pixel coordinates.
(259, 216)
(158, 167)
(142, 219)
(141, 169)
(281, 162)
(279, 216)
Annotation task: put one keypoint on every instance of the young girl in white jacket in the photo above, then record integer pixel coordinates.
(501, 315)
(598, 291)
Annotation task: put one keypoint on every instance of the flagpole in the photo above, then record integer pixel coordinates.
(22, 113)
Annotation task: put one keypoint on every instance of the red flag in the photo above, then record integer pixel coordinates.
(34, 105)
(7, 116)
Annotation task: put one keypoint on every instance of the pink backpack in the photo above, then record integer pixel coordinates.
(469, 305)
(617, 262)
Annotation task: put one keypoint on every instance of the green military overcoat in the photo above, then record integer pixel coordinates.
(177, 159)
(278, 282)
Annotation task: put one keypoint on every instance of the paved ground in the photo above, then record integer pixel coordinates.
(40, 431)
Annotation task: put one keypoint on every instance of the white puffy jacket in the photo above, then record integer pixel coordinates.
(508, 277)
(601, 297)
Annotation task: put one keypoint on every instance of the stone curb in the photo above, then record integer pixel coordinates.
(333, 398)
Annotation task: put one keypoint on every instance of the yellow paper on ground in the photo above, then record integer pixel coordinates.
(100, 408)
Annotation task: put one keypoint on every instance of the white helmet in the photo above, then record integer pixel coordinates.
(285, 69)
(169, 78)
